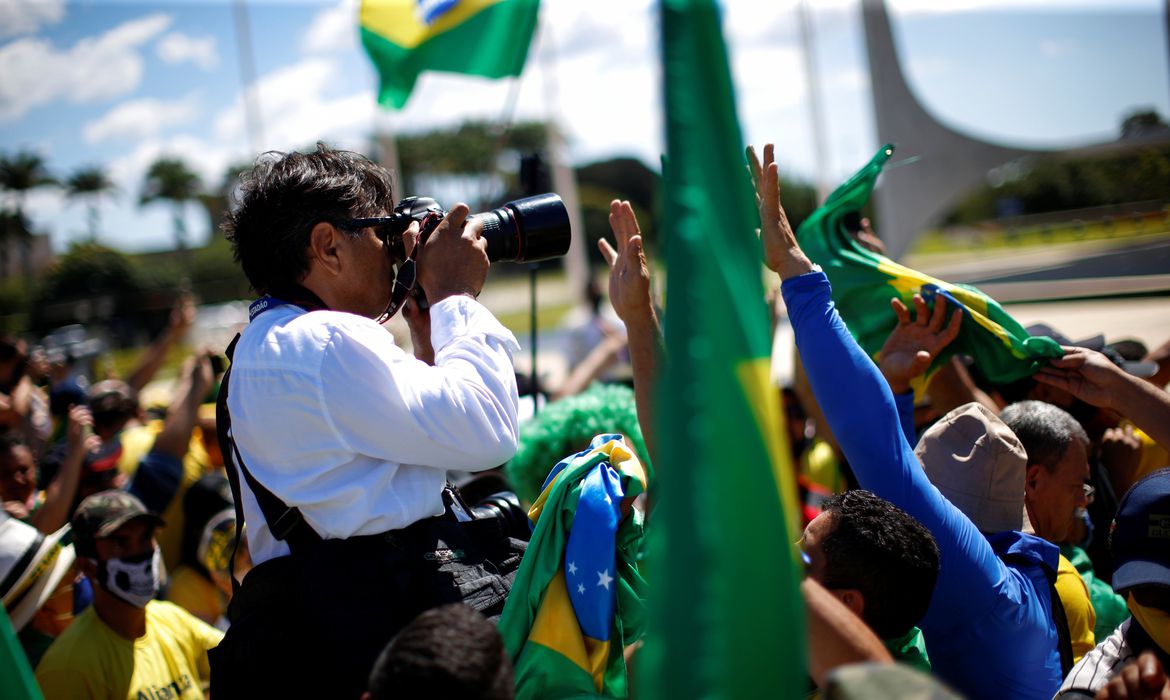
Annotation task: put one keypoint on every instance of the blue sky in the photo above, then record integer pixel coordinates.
(118, 84)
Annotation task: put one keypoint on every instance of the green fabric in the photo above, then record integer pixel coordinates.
(909, 649)
(16, 678)
(727, 610)
(540, 671)
(492, 43)
(864, 282)
(1110, 608)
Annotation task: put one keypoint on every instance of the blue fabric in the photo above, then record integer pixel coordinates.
(989, 629)
(157, 480)
(591, 550)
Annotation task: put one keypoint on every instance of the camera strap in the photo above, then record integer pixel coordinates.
(287, 524)
(406, 276)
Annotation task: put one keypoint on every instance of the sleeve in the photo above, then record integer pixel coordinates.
(460, 413)
(861, 411)
(905, 404)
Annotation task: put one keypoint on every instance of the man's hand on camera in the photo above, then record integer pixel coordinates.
(454, 258)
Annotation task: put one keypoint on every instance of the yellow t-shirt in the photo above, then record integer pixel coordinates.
(90, 660)
(195, 594)
(136, 442)
(1078, 608)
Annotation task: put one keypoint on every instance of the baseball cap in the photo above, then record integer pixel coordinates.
(1140, 534)
(101, 514)
(979, 465)
(1096, 342)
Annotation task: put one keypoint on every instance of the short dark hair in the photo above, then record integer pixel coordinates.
(880, 550)
(1044, 430)
(284, 195)
(447, 652)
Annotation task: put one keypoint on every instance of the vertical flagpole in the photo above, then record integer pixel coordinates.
(816, 114)
(248, 77)
(564, 180)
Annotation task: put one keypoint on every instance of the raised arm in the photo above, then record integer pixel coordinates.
(629, 292)
(860, 409)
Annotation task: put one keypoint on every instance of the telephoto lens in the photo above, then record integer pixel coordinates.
(527, 230)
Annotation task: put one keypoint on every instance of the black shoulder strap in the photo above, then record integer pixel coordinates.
(286, 523)
(1059, 617)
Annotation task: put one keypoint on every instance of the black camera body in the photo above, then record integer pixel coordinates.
(523, 230)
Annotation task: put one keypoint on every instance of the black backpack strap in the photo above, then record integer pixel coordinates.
(287, 524)
(1059, 617)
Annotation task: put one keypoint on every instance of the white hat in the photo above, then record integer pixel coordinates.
(31, 567)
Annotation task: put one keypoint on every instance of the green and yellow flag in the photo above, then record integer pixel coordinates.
(478, 37)
(726, 609)
(864, 282)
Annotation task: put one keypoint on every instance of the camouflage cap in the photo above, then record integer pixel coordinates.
(101, 514)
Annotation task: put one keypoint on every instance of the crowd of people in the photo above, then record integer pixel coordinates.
(329, 515)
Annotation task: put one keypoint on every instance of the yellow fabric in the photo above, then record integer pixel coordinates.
(195, 594)
(90, 660)
(1155, 622)
(399, 21)
(819, 465)
(754, 379)
(1154, 456)
(136, 442)
(556, 627)
(1078, 608)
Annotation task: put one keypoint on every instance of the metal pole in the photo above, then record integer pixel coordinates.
(816, 116)
(534, 386)
(248, 77)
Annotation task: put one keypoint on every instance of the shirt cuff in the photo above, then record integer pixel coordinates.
(459, 316)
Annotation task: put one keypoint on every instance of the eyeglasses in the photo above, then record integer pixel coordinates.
(382, 225)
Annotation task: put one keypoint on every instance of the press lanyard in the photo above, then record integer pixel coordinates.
(264, 303)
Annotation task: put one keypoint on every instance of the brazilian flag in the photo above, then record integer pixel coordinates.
(864, 282)
(578, 599)
(726, 610)
(477, 37)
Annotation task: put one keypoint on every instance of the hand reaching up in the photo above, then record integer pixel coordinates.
(915, 342)
(781, 252)
(629, 275)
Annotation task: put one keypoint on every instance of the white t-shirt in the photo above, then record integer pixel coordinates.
(335, 419)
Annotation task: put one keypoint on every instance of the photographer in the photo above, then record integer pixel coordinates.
(342, 440)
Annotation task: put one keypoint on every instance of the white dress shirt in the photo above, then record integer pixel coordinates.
(335, 419)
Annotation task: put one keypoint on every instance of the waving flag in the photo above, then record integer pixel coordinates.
(727, 612)
(577, 600)
(478, 37)
(864, 282)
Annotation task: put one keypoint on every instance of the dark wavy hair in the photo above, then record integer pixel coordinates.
(284, 195)
(882, 551)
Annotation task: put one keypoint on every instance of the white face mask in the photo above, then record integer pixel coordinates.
(135, 582)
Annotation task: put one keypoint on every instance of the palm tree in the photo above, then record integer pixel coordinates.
(90, 184)
(20, 174)
(170, 179)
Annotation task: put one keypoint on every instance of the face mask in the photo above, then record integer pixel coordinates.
(1155, 622)
(135, 581)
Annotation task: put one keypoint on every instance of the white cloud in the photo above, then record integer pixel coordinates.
(141, 118)
(28, 16)
(334, 29)
(177, 47)
(95, 68)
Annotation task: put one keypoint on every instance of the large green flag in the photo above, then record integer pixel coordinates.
(864, 282)
(726, 609)
(478, 37)
(16, 678)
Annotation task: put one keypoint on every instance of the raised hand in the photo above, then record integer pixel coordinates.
(1086, 374)
(916, 342)
(781, 252)
(629, 274)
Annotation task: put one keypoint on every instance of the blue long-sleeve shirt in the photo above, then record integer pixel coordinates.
(989, 629)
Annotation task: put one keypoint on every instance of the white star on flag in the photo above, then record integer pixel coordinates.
(604, 579)
(580, 589)
(572, 568)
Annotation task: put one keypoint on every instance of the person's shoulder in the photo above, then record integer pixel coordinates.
(172, 618)
(1098, 665)
(79, 640)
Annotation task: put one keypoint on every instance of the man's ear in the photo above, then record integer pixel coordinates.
(1031, 478)
(852, 598)
(324, 246)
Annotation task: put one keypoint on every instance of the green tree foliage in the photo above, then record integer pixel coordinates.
(90, 185)
(23, 172)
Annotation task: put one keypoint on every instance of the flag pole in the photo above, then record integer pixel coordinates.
(252, 117)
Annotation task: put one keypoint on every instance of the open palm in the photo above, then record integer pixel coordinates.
(916, 341)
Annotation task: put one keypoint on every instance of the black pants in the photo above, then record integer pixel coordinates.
(313, 623)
